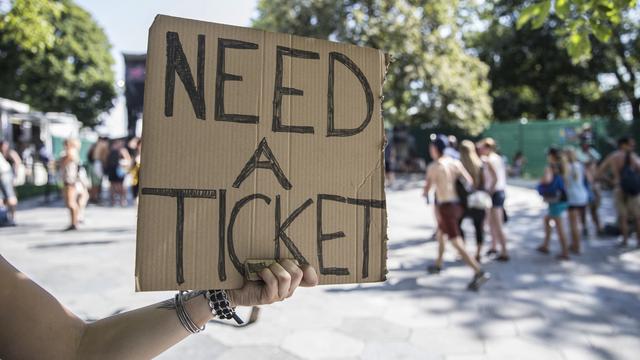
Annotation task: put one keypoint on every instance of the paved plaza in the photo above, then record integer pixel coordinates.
(533, 308)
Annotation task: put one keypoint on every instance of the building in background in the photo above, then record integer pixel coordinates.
(134, 90)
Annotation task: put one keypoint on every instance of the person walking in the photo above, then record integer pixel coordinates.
(475, 210)
(73, 196)
(590, 157)
(118, 161)
(495, 174)
(552, 189)
(623, 166)
(577, 196)
(442, 175)
(9, 162)
(135, 171)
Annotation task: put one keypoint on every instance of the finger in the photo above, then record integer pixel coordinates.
(284, 279)
(295, 272)
(309, 276)
(270, 289)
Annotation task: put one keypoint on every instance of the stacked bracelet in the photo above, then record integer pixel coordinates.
(183, 315)
(220, 306)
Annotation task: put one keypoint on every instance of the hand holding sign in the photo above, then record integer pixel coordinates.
(279, 281)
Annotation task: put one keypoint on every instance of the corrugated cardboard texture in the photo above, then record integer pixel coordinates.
(223, 170)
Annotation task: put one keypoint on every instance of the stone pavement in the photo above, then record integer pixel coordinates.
(533, 307)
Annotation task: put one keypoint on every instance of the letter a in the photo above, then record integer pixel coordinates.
(270, 163)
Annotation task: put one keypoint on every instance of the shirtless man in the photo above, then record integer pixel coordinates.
(442, 174)
(627, 205)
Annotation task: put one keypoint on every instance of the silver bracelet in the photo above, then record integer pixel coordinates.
(183, 315)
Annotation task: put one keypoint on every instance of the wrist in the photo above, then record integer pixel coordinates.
(198, 309)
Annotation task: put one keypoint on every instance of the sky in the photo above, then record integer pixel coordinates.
(126, 23)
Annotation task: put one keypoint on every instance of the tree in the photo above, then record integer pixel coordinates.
(533, 76)
(54, 57)
(581, 18)
(432, 80)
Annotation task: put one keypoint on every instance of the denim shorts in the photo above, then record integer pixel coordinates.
(557, 208)
(497, 199)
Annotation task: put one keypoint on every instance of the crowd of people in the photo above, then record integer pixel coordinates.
(469, 181)
(112, 164)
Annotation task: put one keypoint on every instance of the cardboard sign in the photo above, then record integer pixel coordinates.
(262, 146)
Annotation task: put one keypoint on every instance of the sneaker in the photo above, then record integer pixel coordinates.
(434, 269)
(478, 279)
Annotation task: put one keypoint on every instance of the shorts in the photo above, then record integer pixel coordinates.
(557, 208)
(627, 205)
(497, 199)
(577, 207)
(449, 215)
(6, 186)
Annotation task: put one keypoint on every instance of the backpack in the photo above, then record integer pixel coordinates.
(554, 191)
(629, 177)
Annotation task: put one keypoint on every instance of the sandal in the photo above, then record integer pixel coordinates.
(543, 250)
(503, 258)
(434, 269)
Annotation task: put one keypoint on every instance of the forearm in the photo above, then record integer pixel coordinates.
(142, 333)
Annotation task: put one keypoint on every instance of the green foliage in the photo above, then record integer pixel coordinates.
(67, 69)
(27, 24)
(432, 81)
(533, 76)
(582, 18)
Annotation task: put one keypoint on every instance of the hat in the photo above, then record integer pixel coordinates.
(441, 142)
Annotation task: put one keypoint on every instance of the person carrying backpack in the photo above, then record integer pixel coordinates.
(623, 168)
(552, 189)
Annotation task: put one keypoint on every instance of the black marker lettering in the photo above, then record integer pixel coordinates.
(177, 63)
(222, 76)
(232, 220)
(324, 237)
(222, 222)
(331, 129)
(255, 163)
(321, 237)
(280, 90)
(180, 195)
(281, 231)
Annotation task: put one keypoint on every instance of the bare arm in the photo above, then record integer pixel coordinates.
(603, 168)
(464, 174)
(427, 182)
(17, 160)
(30, 317)
(494, 177)
(547, 177)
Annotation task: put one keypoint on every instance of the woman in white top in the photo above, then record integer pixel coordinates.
(577, 195)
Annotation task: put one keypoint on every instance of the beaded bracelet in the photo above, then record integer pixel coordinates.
(220, 306)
